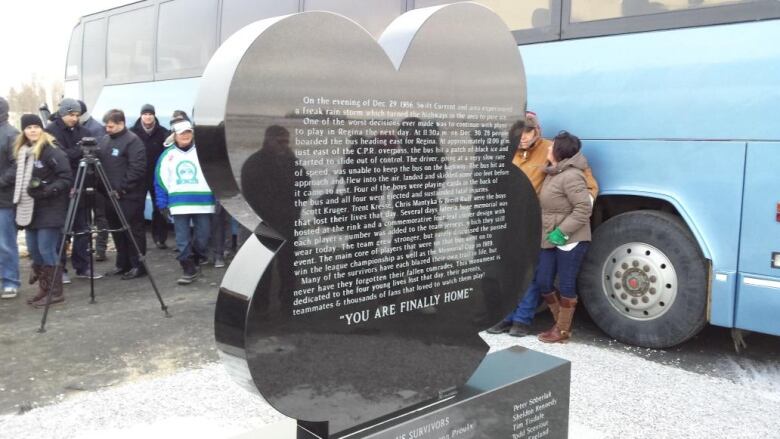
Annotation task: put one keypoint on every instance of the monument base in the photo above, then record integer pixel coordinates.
(515, 393)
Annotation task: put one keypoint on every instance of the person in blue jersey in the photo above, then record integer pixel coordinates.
(183, 193)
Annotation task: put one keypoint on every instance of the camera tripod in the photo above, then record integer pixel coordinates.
(90, 165)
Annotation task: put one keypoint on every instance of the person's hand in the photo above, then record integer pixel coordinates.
(556, 237)
(117, 195)
(166, 213)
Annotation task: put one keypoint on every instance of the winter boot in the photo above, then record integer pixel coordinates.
(190, 272)
(35, 274)
(561, 331)
(43, 277)
(57, 295)
(553, 300)
(500, 327)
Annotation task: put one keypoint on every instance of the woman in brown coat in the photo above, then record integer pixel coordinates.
(566, 208)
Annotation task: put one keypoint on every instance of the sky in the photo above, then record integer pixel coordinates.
(35, 37)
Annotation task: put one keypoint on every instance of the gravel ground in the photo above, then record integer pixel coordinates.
(614, 395)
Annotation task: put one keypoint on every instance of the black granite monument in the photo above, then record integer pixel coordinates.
(389, 224)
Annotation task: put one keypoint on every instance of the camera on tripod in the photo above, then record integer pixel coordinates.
(88, 145)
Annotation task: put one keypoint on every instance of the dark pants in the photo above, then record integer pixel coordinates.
(126, 256)
(79, 255)
(566, 264)
(220, 225)
(159, 224)
(101, 242)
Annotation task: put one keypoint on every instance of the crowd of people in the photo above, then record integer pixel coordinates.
(38, 165)
(38, 171)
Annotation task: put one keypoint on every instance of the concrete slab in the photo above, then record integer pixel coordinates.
(120, 338)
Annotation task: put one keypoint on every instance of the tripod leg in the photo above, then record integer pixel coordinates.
(90, 250)
(126, 227)
(70, 217)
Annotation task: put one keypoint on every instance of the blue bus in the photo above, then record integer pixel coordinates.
(673, 100)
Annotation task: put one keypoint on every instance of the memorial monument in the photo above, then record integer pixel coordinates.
(390, 227)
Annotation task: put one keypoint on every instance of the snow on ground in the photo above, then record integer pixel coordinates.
(613, 395)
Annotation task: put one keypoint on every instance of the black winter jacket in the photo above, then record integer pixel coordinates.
(153, 142)
(67, 139)
(8, 135)
(51, 198)
(124, 159)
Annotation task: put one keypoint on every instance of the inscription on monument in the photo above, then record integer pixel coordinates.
(373, 193)
(530, 419)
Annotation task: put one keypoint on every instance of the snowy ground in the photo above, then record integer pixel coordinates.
(614, 394)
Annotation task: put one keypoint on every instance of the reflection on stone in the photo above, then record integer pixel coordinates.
(398, 226)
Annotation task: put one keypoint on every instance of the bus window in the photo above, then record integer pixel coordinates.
(531, 21)
(93, 64)
(591, 10)
(238, 13)
(186, 37)
(518, 15)
(374, 16)
(130, 46)
(73, 64)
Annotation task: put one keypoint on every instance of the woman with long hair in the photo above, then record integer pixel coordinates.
(43, 180)
(566, 208)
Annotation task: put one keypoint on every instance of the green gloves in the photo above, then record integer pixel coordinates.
(556, 237)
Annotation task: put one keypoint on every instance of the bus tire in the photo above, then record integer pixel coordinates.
(644, 280)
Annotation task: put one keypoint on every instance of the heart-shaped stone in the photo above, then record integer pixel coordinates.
(390, 226)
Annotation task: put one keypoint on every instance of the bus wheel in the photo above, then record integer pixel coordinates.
(644, 280)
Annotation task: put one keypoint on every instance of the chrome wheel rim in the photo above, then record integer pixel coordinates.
(639, 281)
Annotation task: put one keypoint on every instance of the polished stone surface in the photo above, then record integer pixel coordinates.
(390, 226)
(515, 393)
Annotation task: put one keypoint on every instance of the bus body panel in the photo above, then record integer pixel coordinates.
(166, 96)
(699, 179)
(759, 300)
(758, 297)
(698, 83)
(760, 235)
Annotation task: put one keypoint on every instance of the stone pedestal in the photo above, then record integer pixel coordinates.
(515, 393)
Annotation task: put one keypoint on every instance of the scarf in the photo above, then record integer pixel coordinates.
(24, 202)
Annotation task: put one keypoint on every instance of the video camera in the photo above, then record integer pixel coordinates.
(88, 146)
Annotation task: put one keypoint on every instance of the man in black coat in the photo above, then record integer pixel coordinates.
(68, 132)
(123, 157)
(149, 130)
(97, 130)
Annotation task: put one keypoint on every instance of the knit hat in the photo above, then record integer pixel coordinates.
(179, 114)
(69, 105)
(147, 108)
(31, 119)
(531, 120)
(83, 107)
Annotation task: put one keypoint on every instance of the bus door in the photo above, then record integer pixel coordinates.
(758, 286)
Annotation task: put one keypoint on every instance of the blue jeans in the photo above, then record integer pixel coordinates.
(42, 245)
(9, 251)
(526, 309)
(198, 245)
(566, 264)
